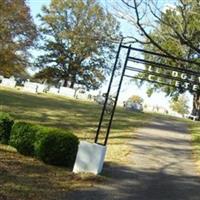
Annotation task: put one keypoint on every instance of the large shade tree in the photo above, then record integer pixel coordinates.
(170, 29)
(17, 34)
(77, 42)
(180, 105)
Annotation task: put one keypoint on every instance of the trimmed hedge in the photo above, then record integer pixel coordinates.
(51, 145)
(6, 123)
(23, 138)
(58, 148)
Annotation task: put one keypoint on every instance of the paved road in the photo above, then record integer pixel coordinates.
(161, 168)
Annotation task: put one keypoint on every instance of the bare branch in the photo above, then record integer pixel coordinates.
(178, 34)
(147, 35)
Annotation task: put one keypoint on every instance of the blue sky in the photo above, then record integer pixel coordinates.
(129, 88)
(35, 6)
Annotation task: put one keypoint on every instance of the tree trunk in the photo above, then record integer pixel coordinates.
(196, 105)
(65, 83)
(72, 84)
(73, 80)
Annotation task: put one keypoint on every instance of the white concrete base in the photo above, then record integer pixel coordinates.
(90, 158)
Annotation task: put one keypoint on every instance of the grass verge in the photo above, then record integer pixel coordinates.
(194, 129)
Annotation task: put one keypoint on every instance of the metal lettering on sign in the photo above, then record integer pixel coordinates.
(154, 72)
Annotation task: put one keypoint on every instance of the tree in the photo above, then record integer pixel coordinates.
(78, 41)
(172, 30)
(136, 99)
(180, 105)
(49, 75)
(17, 34)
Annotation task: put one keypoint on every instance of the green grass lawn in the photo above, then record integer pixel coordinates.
(24, 177)
(194, 128)
(79, 116)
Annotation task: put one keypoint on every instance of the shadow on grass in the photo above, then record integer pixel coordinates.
(23, 178)
(79, 116)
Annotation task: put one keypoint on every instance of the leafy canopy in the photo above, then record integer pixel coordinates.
(77, 40)
(177, 33)
(180, 105)
(136, 99)
(17, 34)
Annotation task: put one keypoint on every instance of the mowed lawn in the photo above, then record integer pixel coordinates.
(194, 129)
(27, 178)
(81, 117)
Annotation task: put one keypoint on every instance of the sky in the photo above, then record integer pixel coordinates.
(129, 87)
(35, 6)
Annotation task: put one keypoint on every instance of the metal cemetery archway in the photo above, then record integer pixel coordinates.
(189, 80)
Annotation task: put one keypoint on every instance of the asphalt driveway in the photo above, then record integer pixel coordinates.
(161, 168)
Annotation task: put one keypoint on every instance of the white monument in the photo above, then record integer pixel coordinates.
(65, 91)
(53, 90)
(90, 158)
(8, 82)
(34, 87)
(41, 88)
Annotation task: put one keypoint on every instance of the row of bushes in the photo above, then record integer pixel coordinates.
(52, 145)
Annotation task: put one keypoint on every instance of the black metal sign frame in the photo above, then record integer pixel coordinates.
(184, 83)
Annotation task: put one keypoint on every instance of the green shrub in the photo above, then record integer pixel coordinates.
(58, 147)
(6, 123)
(23, 137)
(53, 146)
(41, 133)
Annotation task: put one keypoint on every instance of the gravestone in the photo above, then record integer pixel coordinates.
(53, 90)
(8, 82)
(68, 92)
(90, 158)
(34, 87)
(41, 88)
(1, 78)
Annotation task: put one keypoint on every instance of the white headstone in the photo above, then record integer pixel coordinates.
(90, 158)
(65, 91)
(8, 82)
(53, 90)
(41, 88)
(1, 77)
(34, 87)
(30, 87)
